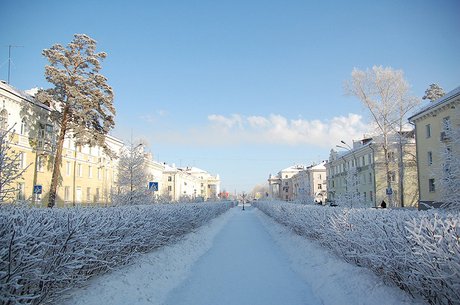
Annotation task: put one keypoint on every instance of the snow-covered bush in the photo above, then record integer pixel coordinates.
(418, 251)
(45, 252)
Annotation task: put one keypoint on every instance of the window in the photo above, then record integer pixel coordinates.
(80, 170)
(23, 127)
(96, 198)
(333, 184)
(40, 164)
(67, 193)
(68, 168)
(169, 178)
(428, 130)
(21, 191)
(392, 176)
(320, 186)
(431, 185)
(430, 158)
(391, 156)
(365, 196)
(88, 194)
(370, 177)
(363, 161)
(22, 160)
(169, 188)
(371, 196)
(90, 171)
(4, 119)
(369, 158)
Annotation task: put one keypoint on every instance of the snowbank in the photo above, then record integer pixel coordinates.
(417, 251)
(48, 251)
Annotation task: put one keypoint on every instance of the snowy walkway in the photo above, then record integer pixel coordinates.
(242, 257)
(244, 266)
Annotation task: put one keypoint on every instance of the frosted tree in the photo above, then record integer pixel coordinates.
(351, 197)
(11, 167)
(80, 101)
(448, 175)
(132, 177)
(385, 93)
(433, 93)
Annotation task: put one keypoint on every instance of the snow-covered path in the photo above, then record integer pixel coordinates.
(241, 257)
(244, 266)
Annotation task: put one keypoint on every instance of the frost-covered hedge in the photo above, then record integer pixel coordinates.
(47, 251)
(418, 251)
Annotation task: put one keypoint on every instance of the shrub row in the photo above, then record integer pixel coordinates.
(44, 252)
(418, 251)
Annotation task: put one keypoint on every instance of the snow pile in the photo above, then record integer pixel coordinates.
(418, 251)
(48, 251)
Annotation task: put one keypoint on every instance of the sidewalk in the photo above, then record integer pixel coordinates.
(244, 266)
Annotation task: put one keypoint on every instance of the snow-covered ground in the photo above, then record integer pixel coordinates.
(242, 257)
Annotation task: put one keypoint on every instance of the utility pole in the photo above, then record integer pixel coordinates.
(9, 60)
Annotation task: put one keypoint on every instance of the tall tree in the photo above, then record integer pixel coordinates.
(11, 166)
(433, 93)
(448, 173)
(385, 93)
(132, 177)
(81, 100)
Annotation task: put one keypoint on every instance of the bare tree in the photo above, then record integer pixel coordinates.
(132, 177)
(448, 173)
(80, 101)
(11, 167)
(385, 93)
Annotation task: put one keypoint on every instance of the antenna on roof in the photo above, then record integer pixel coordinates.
(9, 60)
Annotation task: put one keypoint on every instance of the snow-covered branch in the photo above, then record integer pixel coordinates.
(417, 251)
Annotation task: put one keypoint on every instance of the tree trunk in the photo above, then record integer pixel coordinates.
(58, 159)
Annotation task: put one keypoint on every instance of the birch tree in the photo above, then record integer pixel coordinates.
(80, 101)
(11, 167)
(385, 93)
(448, 175)
(132, 177)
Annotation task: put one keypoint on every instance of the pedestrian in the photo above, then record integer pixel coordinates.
(383, 204)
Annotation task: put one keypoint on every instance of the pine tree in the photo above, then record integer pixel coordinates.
(433, 93)
(81, 100)
(11, 167)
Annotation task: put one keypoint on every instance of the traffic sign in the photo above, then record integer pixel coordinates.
(153, 186)
(389, 191)
(38, 189)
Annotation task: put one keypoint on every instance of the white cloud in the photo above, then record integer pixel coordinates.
(273, 129)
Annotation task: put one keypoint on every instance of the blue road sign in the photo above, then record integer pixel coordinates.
(389, 191)
(153, 186)
(38, 189)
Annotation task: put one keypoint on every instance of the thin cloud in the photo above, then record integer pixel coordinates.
(274, 129)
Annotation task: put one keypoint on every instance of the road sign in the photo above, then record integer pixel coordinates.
(153, 186)
(38, 189)
(389, 191)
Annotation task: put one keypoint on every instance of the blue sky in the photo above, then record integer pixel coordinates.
(239, 88)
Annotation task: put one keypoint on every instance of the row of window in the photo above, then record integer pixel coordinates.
(446, 124)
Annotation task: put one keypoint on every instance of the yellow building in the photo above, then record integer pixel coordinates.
(87, 173)
(367, 158)
(430, 126)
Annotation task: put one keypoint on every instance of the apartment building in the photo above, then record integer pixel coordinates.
(361, 170)
(432, 126)
(299, 182)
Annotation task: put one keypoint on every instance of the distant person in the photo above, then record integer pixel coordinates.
(383, 204)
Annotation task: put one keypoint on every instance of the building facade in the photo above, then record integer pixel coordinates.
(432, 126)
(299, 182)
(361, 171)
(88, 174)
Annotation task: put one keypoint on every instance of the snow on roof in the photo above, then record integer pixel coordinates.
(444, 99)
(23, 94)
